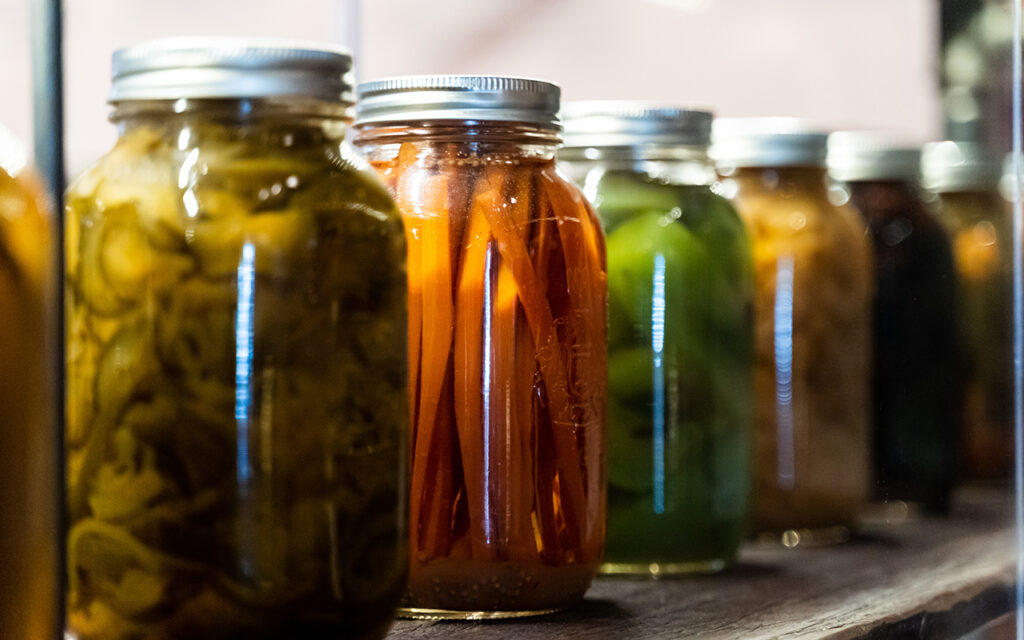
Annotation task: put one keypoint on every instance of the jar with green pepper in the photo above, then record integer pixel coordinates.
(236, 359)
(680, 336)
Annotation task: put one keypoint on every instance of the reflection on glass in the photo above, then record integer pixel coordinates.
(784, 371)
(657, 349)
(243, 359)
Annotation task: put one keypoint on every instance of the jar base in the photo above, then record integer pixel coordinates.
(806, 537)
(657, 570)
(417, 613)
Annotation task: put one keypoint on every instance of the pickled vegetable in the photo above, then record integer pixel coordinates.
(917, 404)
(813, 274)
(236, 386)
(680, 278)
(507, 332)
(980, 233)
(29, 544)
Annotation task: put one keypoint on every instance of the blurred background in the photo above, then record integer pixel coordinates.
(919, 67)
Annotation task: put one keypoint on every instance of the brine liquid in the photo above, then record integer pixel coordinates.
(28, 439)
(507, 334)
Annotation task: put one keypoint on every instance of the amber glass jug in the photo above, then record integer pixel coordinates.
(28, 433)
(236, 357)
(507, 344)
(813, 281)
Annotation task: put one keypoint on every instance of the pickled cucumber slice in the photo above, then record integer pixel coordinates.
(211, 395)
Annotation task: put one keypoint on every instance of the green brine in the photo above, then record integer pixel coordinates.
(680, 337)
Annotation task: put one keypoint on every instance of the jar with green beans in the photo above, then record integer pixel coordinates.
(680, 337)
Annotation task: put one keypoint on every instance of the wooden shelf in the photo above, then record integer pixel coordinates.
(916, 578)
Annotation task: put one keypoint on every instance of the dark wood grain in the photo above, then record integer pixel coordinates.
(918, 578)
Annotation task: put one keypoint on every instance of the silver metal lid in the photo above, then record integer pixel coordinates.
(456, 97)
(953, 165)
(767, 142)
(218, 67)
(867, 155)
(615, 123)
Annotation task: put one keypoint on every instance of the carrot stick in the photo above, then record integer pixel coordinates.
(473, 279)
(583, 251)
(549, 352)
(525, 434)
(523, 541)
(414, 261)
(400, 166)
(424, 211)
(508, 389)
(460, 197)
(544, 478)
(440, 495)
(502, 374)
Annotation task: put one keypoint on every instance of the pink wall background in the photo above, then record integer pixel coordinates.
(840, 64)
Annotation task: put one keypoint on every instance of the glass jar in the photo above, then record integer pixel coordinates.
(916, 381)
(29, 544)
(680, 337)
(965, 178)
(507, 299)
(236, 357)
(813, 276)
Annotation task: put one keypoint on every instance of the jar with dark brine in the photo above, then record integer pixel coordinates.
(965, 178)
(680, 336)
(507, 304)
(236, 356)
(813, 282)
(916, 389)
(29, 545)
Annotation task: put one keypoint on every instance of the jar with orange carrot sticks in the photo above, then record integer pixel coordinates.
(507, 312)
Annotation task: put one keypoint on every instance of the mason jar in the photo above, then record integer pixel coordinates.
(29, 465)
(680, 336)
(813, 288)
(965, 178)
(236, 313)
(916, 404)
(507, 304)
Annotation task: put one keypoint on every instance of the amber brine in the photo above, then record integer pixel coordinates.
(965, 178)
(29, 548)
(507, 296)
(813, 278)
